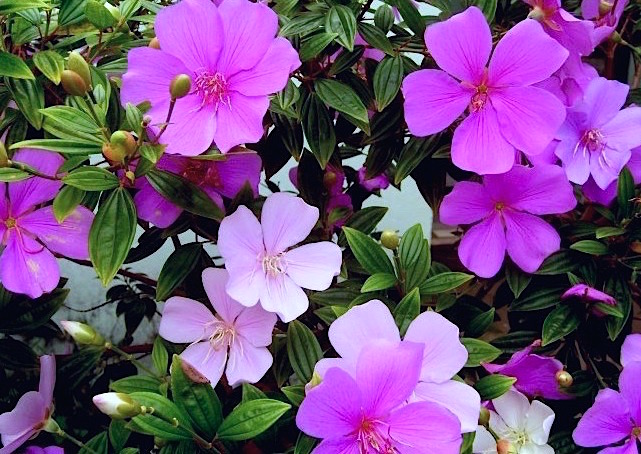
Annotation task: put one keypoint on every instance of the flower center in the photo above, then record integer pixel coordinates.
(212, 88)
(498, 206)
(636, 432)
(479, 98)
(222, 337)
(203, 172)
(10, 223)
(274, 264)
(593, 142)
(370, 439)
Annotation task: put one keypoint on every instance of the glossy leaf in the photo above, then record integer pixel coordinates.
(90, 178)
(303, 350)
(13, 66)
(368, 252)
(251, 418)
(493, 386)
(179, 264)
(444, 282)
(66, 202)
(479, 352)
(50, 63)
(387, 81)
(344, 99)
(407, 310)
(559, 323)
(319, 129)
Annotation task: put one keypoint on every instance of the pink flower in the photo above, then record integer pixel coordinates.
(605, 196)
(366, 412)
(217, 178)
(535, 374)
(506, 112)
(32, 412)
(589, 295)
(264, 266)
(234, 340)
(443, 355)
(234, 60)
(631, 349)
(508, 207)
(374, 183)
(47, 450)
(31, 235)
(605, 21)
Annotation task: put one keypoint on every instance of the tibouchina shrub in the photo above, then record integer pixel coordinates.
(244, 146)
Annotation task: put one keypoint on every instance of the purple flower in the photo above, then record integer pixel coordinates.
(631, 349)
(217, 178)
(47, 450)
(234, 340)
(535, 375)
(506, 112)
(589, 295)
(605, 19)
(366, 412)
(374, 183)
(615, 417)
(443, 354)
(597, 136)
(605, 196)
(261, 260)
(32, 412)
(31, 235)
(234, 60)
(508, 206)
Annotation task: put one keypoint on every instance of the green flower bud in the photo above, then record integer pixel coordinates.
(180, 86)
(154, 43)
(73, 83)
(605, 7)
(117, 405)
(537, 14)
(113, 154)
(484, 417)
(390, 239)
(564, 379)
(4, 158)
(82, 333)
(80, 66)
(123, 143)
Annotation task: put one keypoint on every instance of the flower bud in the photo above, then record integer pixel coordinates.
(537, 14)
(80, 66)
(123, 143)
(82, 333)
(146, 120)
(615, 37)
(180, 86)
(390, 239)
(4, 158)
(635, 246)
(505, 447)
(484, 417)
(117, 405)
(73, 83)
(564, 379)
(112, 154)
(605, 7)
(154, 43)
(329, 179)
(130, 176)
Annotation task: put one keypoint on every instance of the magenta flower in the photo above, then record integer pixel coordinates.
(31, 235)
(380, 181)
(262, 262)
(32, 412)
(597, 136)
(224, 178)
(505, 109)
(234, 340)
(443, 355)
(615, 417)
(234, 60)
(535, 375)
(47, 450)
(605, 14)
(366, 412)
(589, 295)
(605, 196)
(631, 349)
(508, 206)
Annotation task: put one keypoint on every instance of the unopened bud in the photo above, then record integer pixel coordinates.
(113, 154)
(117, 405)
(154, 43)
(82, 333)
(537, 14)
(564, 379)
(4, 158)
(123, 142)
(329, 179)
(605, 7)
(73, 83)
(505, 447)
(314, 382)
(180, 86)
(80, 66)
(390, 239)
(635, 246)
(130, 176)
(615, 37)
(146, 121)
(484, 417)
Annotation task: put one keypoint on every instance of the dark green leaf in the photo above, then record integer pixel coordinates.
(303, 24)
(479, 352)
(25, 314)
(70, 123)
(179, 264)
(560, 263)
(625, 193)
(384, 17)
(315, 44)
(364, 220)
(559, 323)
(30, 98)
(250, 392)
(444, 282)
(97, 445)
(378, 281)
(517, 280)
(479, 324)
(91, 178)
(157, 423)
(118, 434)
(303, 350)
(66, 201)
(407, 310)
(13, 6)
(9, 174)
(295, 393)
(494, 386)
(411, 16)
(591, 247)
(538, 298)
(413, 152)
(16, 355)
(319, 129)
(387, 81)
(606, 232)
(341, 21)
(344, 99)
(368, 252)
(160, 356)
(375, 37)
(71, 11)
(136, 383)
(98, 15)
(251, 418)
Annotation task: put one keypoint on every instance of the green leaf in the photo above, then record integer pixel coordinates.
(184, 193)
(74, 147)
(375, 37)
(343, 98)
(90, 178)
(617, 286)
(16, 355)
(157, 424)
(319, 129)
(23, 314)
(160, 356)
(303, 24)
(494, 386)
(50, 63)
(488, 7)
(314, 45)
(606, 232)
(625, 193)
(384, 17)
(152, 152)
(560, 263)
(99, 444)
(346, 60)
(112, 234)
(368, 252)
(9, 174)
(179, 264)
(98, 15)
(66, 201)
(13, 66)
(341, 21)
(411, 16)
(414, 256)
(295, 393)
(538, 298)
(29, 96)
(71, 12)
(251, 418)
(250, 392)
(591, 247)
(559, 323)
(194, 394)
(118, 434)
(479, 352)
(387, 81)
(303, 350)
(305, 444)
(444, 282)
(407, 310)
(364, 220)
(479, 324)
(70, 123)
(378, 281)
(136, 383)
(517, 280)
(14, 6)
(412, 154)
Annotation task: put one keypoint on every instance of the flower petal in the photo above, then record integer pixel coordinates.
(539, 422)
(467, 203)
(484, 442)
(255, 325)
(602, 101)
(433, 100)
(530, 240)
(206, 360)
(620, 131)
(185, 320)
(241, 121)
(30, 410)
(346, 445)
(467, 48)
(286, 221)
(154, 208)
(237, 170)
(247, 363)
(606, 166)
(512, 407)
(631, 349)
(47, 378)
(26, 194)
(282, 296)
(11, 444)
(628, 448)
(214, 281)
(482, 248)
(313, 266)
(630, 389)
(459, 398)
(607, 421)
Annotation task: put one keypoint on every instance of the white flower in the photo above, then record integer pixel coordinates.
(117, 405)
(521, 427)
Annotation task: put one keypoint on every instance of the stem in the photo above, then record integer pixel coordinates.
(129, 357)
(75, 441)
(31, 171)
(200, 440)
(172, 104)
(364, 10)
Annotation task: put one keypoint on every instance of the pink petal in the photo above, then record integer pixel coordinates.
(30, 411)
(606, 422)
(331, 409)
(606, 167)
(191, 30)
(26, 194)
(241, 121)
(467, 48)
(282, 296)
(482, 248)
(347, 445)
(271, 73)
(4, 203)
(433, 100)
(360, 326)
(524, 56)
(324, 364)
(444, 355)
(249, 30)
(602, 100)
(247, 363)
(529, 239)
(185, 320)
(313, 266)
(630, 389)
(631, 349)
(628, 448)
(237, 170)
(521, 110)
(590, 9)
(286, 221)
(576, 161)
(12, 444)
(28, 267)
(154, 208)
(255, 325)
(47, 378)
(407, 426)
(597, 195)
(69, 238)
(459, 398)
(214, 281)
(622, 131)
(240, 241)
(467, 203)
(206, 360)
(574, 34)
(246, 281)
(478, 145)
